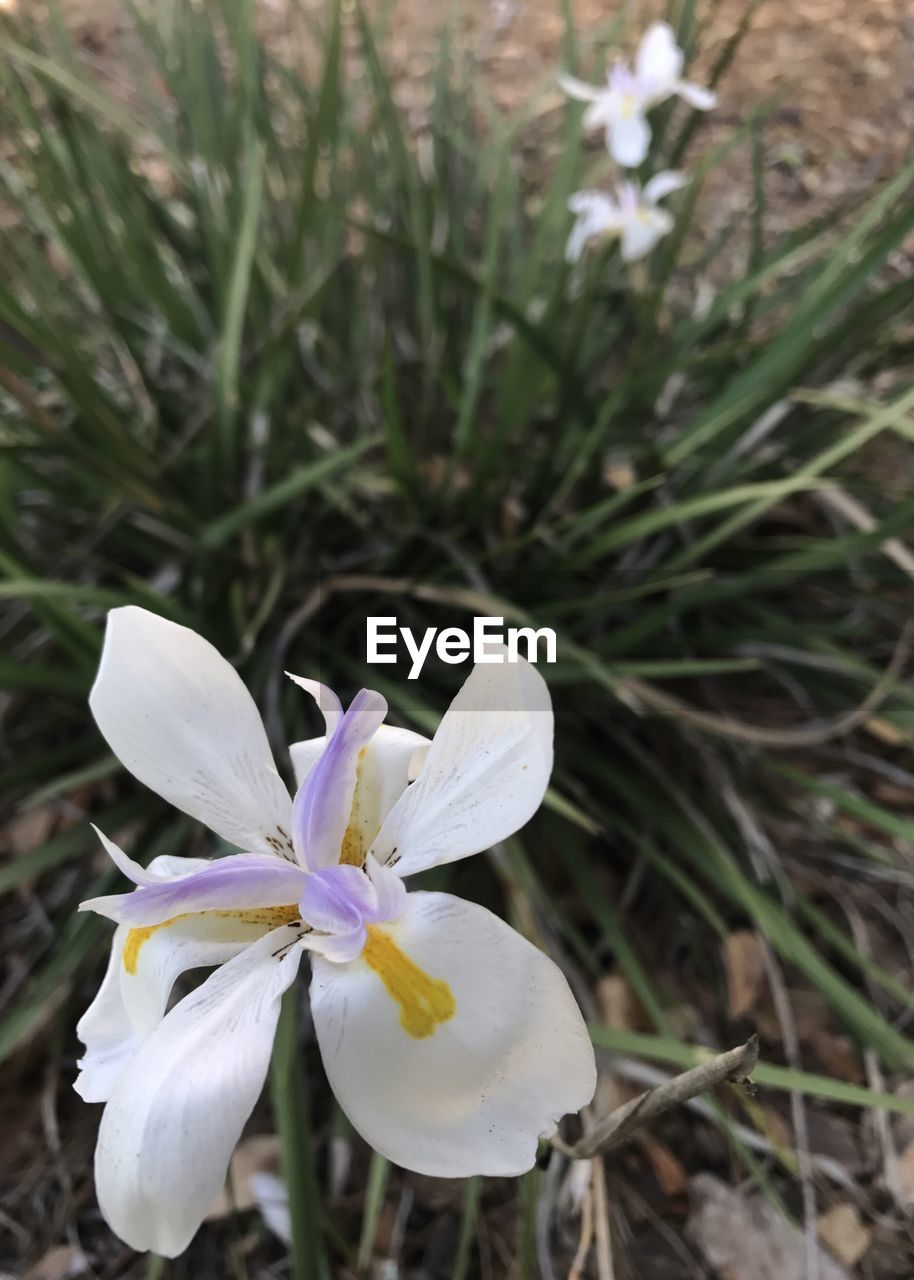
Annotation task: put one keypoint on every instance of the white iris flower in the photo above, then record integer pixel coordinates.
(632, 214)
(620, 106)
(450, 1041)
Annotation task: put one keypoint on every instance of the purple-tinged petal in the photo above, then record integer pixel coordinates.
(237, 882)
(337, 899)
(390, 890)
(323, 803)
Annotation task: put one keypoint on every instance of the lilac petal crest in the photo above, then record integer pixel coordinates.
(323, 803)
(236, 882)
(390, 890)
(339, 900)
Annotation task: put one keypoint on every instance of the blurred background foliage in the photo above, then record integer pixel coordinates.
(271, 359)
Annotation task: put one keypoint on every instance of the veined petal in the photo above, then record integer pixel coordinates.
(337, 899)
(452, 1043)
(386, 765)
(239, 881)
(154, 956)
(323, 803)
(159, 871)
(695, 95)
(663, 184)
(485, 774)
(175, 1115)
(659, 60)
(177, 715)
(628, 138)
(643, 230)
(142, 969)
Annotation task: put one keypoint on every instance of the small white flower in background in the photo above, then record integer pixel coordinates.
(272, 1198)
(450, 1041)
(631, 214)
(620, 106)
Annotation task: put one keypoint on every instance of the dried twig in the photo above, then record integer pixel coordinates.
(602, 1226)
(619, 1125)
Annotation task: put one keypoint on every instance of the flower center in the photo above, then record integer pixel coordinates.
(424, 1002)
(269, 917)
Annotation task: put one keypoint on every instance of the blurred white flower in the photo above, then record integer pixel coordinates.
(620, 106)
(631, 214)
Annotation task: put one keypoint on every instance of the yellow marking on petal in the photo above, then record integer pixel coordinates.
(352, 849)
(271, 917)
(424, 1002)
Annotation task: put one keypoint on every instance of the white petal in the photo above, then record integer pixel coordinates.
(659, 59)
(579, 89)
(485, 774)
(663, 184)
(165, 952)
(383, 776)
(133, 997)
(168, 1131)
(596, 206)
(577, 241)
(599, 114)
(628, 138)
(305, 755)
(695, 95)
(159, 871)
(273, 1202)
(643, 231)
(597, 216)
(106, 1030)
(177, 715)
(475, 1094)
(329, 704)
(389, 762)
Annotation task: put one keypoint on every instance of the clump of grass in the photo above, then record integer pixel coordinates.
(270, 363)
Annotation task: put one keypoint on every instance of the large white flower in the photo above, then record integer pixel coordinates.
(451, 1042)
(621, 105)
(631, 214)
